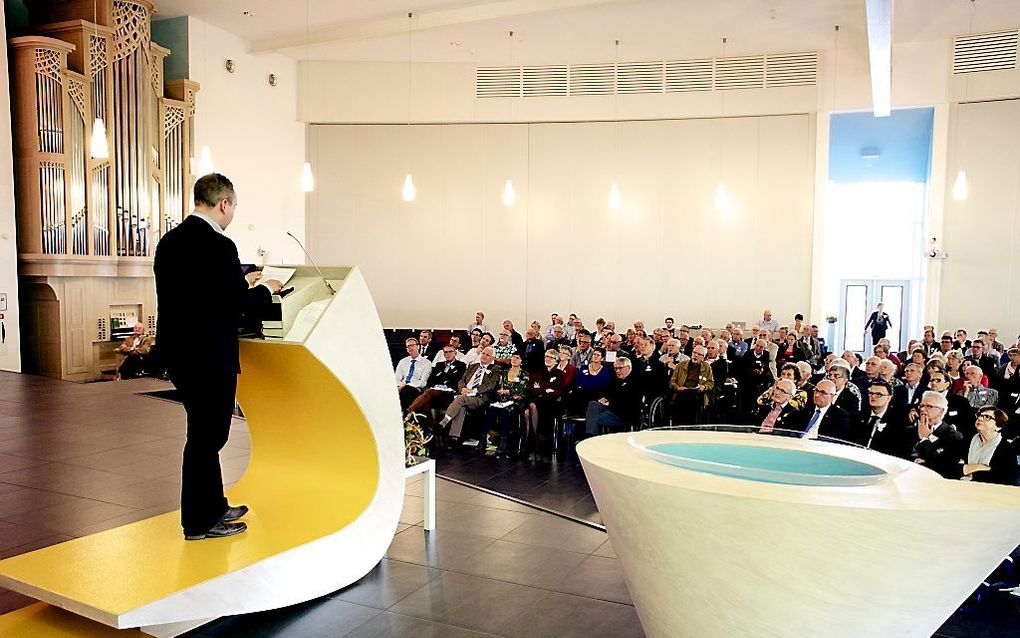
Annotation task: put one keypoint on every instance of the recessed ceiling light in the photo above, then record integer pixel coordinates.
(455, 43)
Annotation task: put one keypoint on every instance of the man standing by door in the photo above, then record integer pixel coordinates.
(202, 294)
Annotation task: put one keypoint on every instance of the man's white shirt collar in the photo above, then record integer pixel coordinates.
(209, 221)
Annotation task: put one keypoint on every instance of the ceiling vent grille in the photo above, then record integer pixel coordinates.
(688, 75)
(591, 79)
(639, 77)
(746, 72)
(985, 52)
(791, 69)
(498, 81)
(670, 76)
(545, 81)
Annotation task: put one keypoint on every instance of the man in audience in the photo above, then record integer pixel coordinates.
(426, 345)
(412, 373)
(946, 343)
(474, 355)
(1007, 380)
(135, 349)
(854, 362)
(773, 351)
(872, 372)
(554, 319)
(847, 395)
(504, 348)
(442, 385)
(559, 337)
(582, 354)
(958, 410)
(648, 371)
(479, 323)
(767, 322)
(533, 351)
(940, 446)
(515, 337)
(673, 355)
(475, 390)
(738, 344)
(683, 335)
(882, 427)
(977, 394)
(962, 342)
(778, 414)
(810, 346)
(570, 330)
(613, 344)
(993, 336)
(690, 386)
(620, 407)
(453, 343)
(669, 327)
(988, 364)
(907, 396)
(929, 344)
(715, 357)
(827, 421)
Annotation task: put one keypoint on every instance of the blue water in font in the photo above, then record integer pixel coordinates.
(765, 464)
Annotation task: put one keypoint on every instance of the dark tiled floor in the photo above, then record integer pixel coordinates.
(71, 465)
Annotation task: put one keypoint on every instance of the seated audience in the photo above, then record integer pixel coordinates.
(135, 352)
(475, 391)
(442, 383)
(412, 374)
(940, 446)
(620, 406)
(990, 457)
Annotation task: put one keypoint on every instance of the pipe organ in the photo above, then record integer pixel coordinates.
(88, 226)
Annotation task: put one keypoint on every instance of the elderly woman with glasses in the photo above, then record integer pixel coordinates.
(990, 458)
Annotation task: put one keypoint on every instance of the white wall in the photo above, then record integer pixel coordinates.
(10, 346)
(457, 249)
(255, 139)
(981, 275)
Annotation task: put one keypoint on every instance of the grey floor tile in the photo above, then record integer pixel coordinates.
(321, 618)
(558, 533)
(597, 577)
(557, 615)
(438, 548)
(390, 625)
(523, 564)
(387, 583)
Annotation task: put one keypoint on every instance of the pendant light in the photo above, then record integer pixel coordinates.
(307, 178)
(961, 191)
(509, 196)
(408, 192)
(721, 200)
(99, 147)
(614, 188)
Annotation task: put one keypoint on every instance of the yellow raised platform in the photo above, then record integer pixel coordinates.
(325, 485)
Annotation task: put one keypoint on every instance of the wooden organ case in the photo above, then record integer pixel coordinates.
(87, 227)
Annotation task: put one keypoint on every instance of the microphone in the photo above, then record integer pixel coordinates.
(330, 288)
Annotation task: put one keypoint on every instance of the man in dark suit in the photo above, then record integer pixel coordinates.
(907, 396)
(959, 412)
(778, 416)
(940, 446)
(475, 389)
(442, 384)
(620, 406)
(428, 346)
(202, 296)
(882, 427)
(827, 422)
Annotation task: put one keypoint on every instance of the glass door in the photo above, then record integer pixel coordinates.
(858, 299)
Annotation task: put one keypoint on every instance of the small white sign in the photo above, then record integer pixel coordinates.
(3, 302)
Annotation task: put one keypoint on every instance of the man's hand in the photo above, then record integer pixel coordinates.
(274, 284)
(912, 415)
(253, 277)
(464, 391)
(604, 401)
(923, 427)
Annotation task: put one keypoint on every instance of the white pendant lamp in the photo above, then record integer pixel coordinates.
(614, 196)
(307, 179)
(509, 196)
(408, 192)
(960, 189)
(99, 148)
(205, 163)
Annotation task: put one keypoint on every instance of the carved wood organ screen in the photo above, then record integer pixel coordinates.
(66, 78)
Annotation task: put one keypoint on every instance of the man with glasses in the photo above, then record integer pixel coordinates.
(453, 343)
(690, 386)
(940, 447)
(613, 344)
(504, 348)
(442, 384)
(620, 407)
(475, 390)
(882, 427)
(827, 422)
(582, 354)
(412, 374)
(847, 395)
(958, 410)
(778, 416)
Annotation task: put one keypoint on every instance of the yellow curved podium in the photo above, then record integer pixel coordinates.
(325, 484)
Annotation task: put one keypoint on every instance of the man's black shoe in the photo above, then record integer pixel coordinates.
(234, 513)
(219, 530)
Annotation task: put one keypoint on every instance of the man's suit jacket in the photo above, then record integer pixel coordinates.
(202, 297)
(896, 437)
(144, 345)
(835, 424)
(945, 454)
(960, 414)
(489, 384)
(900, 396)
(533, 354)
(447, 373)
(849, 401)
(790, 420)
(684, 368)
(624, 397)
(429, 351)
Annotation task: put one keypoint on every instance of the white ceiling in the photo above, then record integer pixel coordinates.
(576, 30)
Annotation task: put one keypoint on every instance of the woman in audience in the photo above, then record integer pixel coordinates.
(954, 358)
(789, 351)
(591, 380)
(505, 411)
(800, 397)
(805, 384)
(568, 369)
(991, 458)
(546, 389)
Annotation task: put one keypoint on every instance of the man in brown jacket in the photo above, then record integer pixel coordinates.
(134, 349)
(690, 386)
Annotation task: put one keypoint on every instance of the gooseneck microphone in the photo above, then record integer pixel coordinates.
(330, 288)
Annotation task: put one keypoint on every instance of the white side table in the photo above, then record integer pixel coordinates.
(428, 468)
